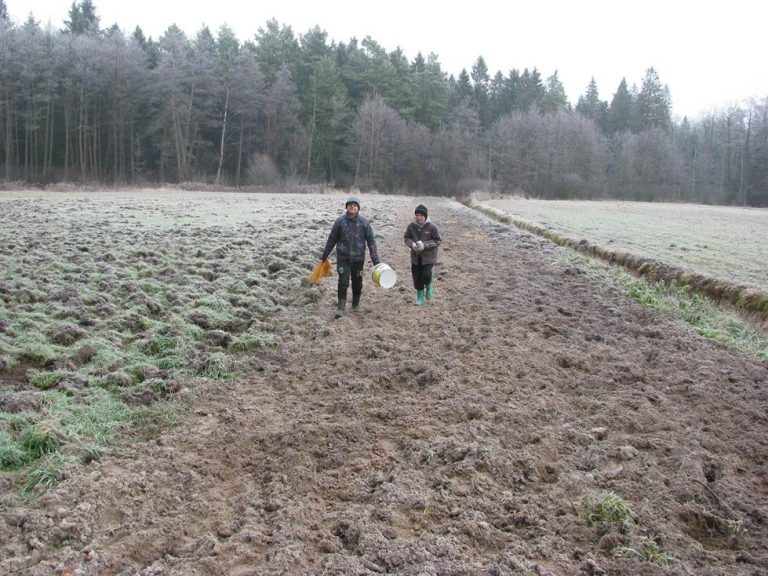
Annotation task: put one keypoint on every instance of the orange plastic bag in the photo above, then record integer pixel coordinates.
(322, 269)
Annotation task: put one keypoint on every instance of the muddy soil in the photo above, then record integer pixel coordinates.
(461, 437)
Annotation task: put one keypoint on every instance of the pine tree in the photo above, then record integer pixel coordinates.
(325, 105)
(622, 109)
(227, 58)
(554, 98)
(430, 92)
(480, 95)
(531, 91)
(150, 47)
(175, 100)
(285, 133)
(275, 47)
(403, 99)
(653, 103)
(511, 95)
(82, 18)
(464, 90)
(590, 105)
(381, 77)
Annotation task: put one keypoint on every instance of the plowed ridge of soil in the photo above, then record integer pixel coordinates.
(454, 438)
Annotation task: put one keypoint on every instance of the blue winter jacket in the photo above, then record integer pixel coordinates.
(349, 236)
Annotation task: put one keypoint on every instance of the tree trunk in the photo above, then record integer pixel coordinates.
(189, 138)
(132, 150)
(238, 171)
(268, 136)
(312, 128)
(82, 144)
(359, 151)
(115, 145)
(8, 134)
(67, 128)
(223, 137)
(49, 139)
(745, 162)
(693, 172)
(177, 140)
(490, 163)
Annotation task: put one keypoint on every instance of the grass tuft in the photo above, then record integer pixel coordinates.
(653, 552)
(47, 380)
(45, 474)
(95, 419)
(34, 350)
(607, 509)
(12, 456)
(41, 438)
(215, 366)
(159, 346)
(250, 342)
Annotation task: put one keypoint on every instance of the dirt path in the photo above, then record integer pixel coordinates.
(455, 438)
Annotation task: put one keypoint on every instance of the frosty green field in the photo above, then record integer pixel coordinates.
(724, 242)
(123, 299)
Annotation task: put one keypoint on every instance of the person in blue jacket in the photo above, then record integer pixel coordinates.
(350, 234)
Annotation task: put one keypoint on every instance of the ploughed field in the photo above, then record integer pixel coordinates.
(526, 420)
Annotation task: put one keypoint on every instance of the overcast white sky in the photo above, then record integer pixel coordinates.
(710, 54)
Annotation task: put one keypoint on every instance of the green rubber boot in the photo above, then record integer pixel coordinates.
(429, 291)
(419, 297)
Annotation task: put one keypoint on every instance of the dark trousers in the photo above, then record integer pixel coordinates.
(422, 275)
(350, 271)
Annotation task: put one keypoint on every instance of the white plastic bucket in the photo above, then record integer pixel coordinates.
(383, 275)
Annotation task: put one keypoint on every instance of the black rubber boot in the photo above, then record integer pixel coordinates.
(355, 302)
(340, 308)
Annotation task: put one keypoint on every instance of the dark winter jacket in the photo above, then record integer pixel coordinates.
(350, 235)
(429, 235)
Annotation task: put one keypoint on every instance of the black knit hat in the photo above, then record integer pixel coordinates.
(421, 209)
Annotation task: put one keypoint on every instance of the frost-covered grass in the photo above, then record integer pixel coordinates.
(168, 208)
(111, 302)
(724, 242)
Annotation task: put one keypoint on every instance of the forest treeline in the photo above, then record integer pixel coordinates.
(96, 105)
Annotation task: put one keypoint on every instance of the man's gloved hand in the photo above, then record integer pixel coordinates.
(376, 262)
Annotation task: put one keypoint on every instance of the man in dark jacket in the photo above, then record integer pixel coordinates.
(350, 234)
(423, 238)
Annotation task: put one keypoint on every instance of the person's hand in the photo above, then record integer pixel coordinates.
(376, 262)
